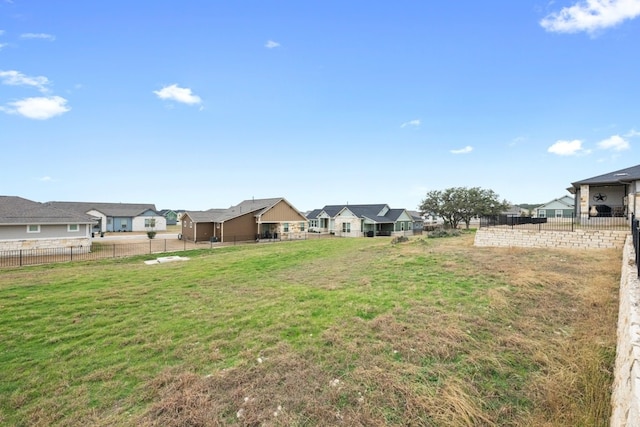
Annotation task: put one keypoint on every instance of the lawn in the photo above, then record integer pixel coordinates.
(318, 332)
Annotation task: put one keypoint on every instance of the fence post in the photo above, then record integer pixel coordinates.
(165, 245)
(71, 253)
(20, 257)
(114, 250)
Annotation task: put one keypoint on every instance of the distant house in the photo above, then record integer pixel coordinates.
(614, 194)
(253, 219)
(25, 224)
(361, 220)
(563, 207)
(170, 216)
(118, 216)
(418, 221)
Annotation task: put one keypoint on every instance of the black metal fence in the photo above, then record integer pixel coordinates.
(556, 224)
(105, 250)
(635, 230)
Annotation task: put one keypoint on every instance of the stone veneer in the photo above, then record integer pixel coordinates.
(27, 244)
(578, 239)
(625, 395)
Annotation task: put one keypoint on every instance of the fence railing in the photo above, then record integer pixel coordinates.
(635, 230)
(556, 224)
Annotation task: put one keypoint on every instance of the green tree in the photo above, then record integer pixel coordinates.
(462, 204)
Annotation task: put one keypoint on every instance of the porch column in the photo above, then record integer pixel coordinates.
(584, 202)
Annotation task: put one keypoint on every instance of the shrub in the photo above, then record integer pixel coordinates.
(151, 234)
(441, 232)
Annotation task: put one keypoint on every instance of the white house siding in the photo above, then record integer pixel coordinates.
(102, 217)
(138, 223)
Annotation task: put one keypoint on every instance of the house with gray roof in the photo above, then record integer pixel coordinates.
(253, 219)
(562, 207)
(118, 216)
(25, 224)
(361, 220)
(613, 194)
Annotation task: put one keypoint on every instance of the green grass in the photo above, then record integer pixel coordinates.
(423, 332)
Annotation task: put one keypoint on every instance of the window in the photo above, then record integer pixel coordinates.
(184, 223)
(346, 227)
(32, 228)
(313, 223)
(285, 227)
(149, 222)
(558, 213)
(190, 224)
(302, 226)
(72, 228)
(542, 213)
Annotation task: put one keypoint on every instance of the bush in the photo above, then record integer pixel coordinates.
(151, 234)
(399, 239)
(441, 232)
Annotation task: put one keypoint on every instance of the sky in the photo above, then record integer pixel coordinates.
(199, 104)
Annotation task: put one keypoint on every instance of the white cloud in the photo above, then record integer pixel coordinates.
(568, 148)
(615, 143)
(270, 44)
(464, 150)
(16, 78)
(414, 123)
(42, 36)
(45, 179)
(591, 15)
(632, 134)
(179, 94)
(38, 108)
(3, 45)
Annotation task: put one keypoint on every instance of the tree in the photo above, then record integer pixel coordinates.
(461, 204)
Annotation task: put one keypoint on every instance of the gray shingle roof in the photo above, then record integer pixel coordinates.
(108, 209)
(616, 177)
(255, 206)
(16, 210)
(363, 211)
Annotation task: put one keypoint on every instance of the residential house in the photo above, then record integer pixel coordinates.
(562, 207)
(614, 194)
(361, 220)
(118, 216)
(170, 216)
(25, 224)
(418, 221)
(253, 219)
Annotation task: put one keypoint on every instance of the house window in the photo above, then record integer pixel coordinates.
(184, 223)
(72, 228)
(285, 227)
(190, 224)
(313, 223)
(32, 228)
(346, 227)
(302, 226)
(558, 213)
(542, 213)
(149, 222)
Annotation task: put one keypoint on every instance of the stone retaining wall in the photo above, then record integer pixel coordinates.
(585, 239)
(625, 396)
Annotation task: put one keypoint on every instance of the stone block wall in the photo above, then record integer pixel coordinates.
(578, 239)
(625, 396)
(26, 244)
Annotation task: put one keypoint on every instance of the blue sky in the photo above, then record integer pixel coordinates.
(202, 104)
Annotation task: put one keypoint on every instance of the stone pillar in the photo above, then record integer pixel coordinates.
(584, 202)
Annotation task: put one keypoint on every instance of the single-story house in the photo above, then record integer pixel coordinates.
(361, 220)
(170, 216)
(614, 194)
(253, 219)
(562, 207)
(25, 224)
(118, 216)
(418, 221)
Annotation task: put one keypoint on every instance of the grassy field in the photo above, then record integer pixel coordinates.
(319, 332)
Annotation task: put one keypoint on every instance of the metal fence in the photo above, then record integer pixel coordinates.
(105, 250)
(556, 224)
(635, 229)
